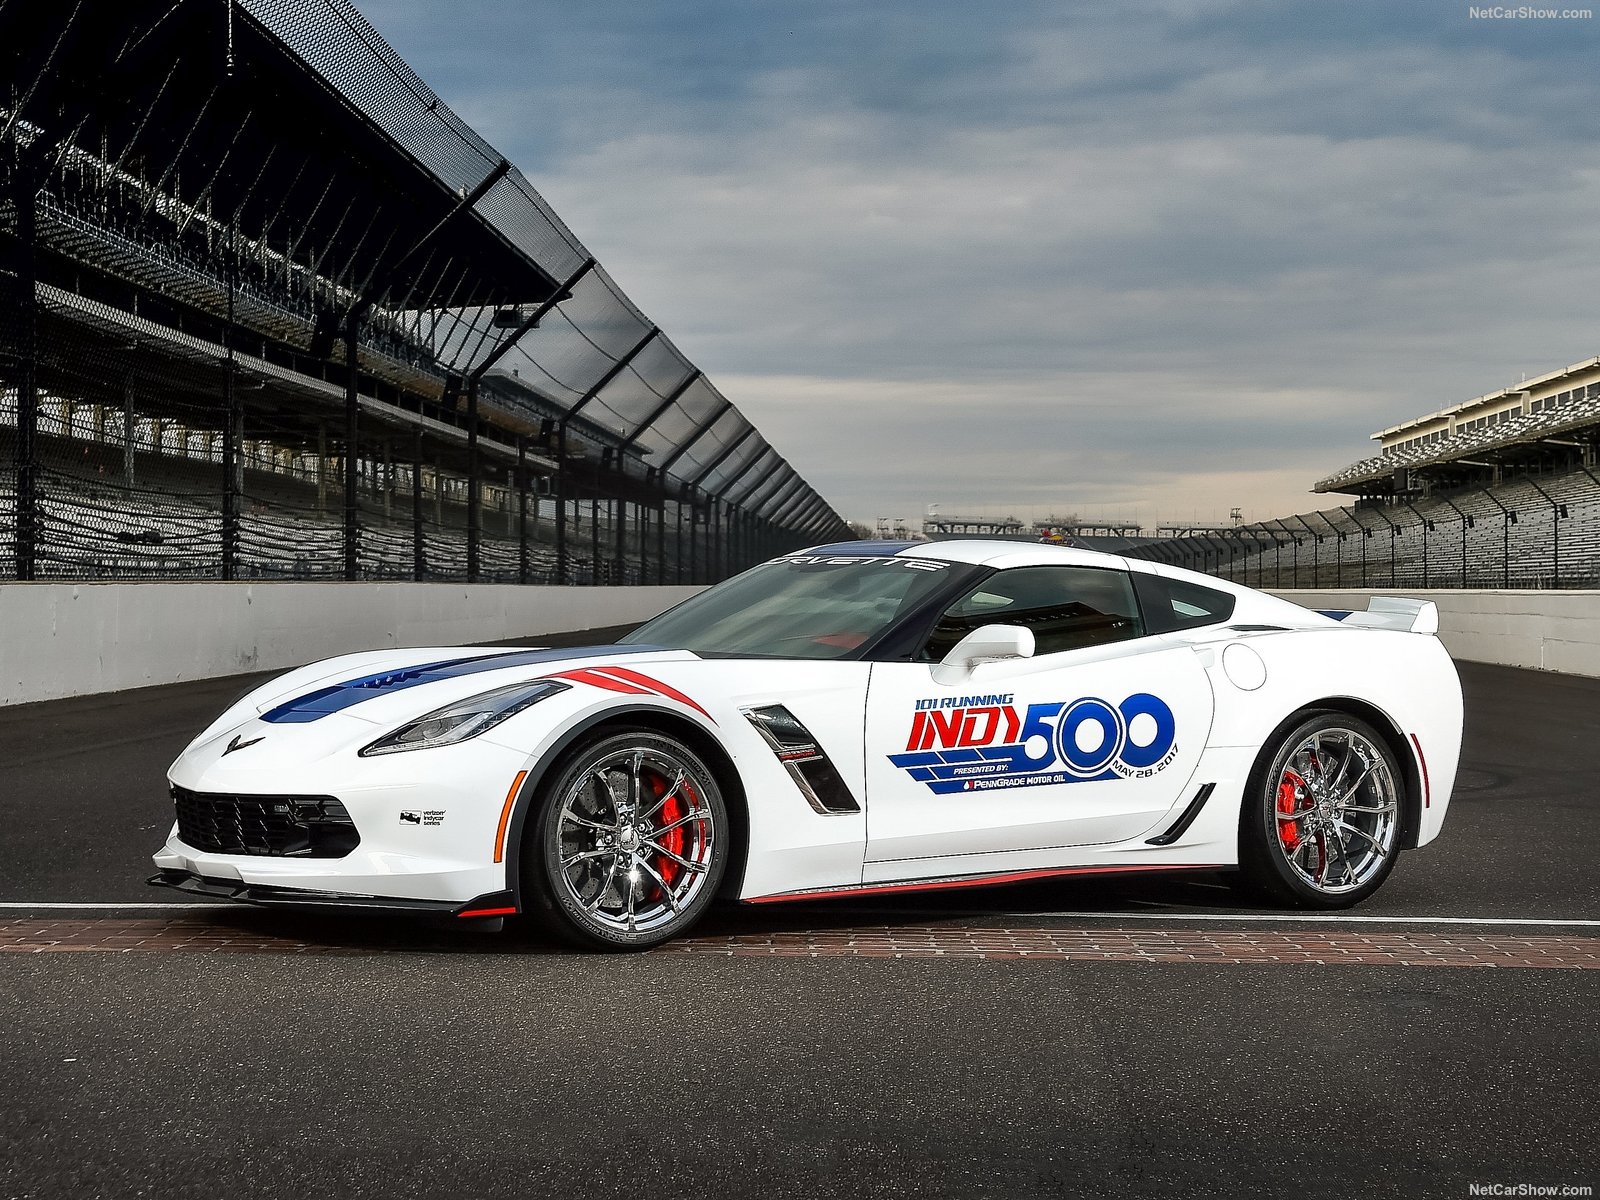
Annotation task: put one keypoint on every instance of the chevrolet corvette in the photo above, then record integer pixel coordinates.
(859, 718)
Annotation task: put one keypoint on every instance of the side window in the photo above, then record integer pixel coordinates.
(1171, 604)
(1066, 607)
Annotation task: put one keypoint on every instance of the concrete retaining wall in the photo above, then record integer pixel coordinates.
(73, 639)
(1547, 631)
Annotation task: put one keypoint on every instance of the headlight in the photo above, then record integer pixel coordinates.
(465, 718)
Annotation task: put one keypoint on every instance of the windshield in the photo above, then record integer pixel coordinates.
(804, 606)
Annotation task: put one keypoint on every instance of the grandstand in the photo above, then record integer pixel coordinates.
(1111, 536)
(269, 310)
(1501, 491)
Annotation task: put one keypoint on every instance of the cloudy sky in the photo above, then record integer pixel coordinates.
(1138, 258)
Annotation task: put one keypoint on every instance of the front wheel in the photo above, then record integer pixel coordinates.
(1320, 826)
(630, 842)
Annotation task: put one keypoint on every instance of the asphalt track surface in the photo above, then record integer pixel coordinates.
(832, 1049)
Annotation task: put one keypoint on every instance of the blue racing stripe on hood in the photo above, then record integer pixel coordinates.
(313, 706)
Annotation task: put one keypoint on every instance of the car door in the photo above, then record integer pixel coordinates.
(1090, 741)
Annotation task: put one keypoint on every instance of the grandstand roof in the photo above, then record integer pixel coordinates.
(1488, 399)
(1531, 437)
(176, 139)
(141, 74)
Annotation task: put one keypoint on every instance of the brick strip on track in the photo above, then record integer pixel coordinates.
(190, 934)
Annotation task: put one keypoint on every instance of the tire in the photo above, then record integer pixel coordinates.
(1322, 814)
(629, 844)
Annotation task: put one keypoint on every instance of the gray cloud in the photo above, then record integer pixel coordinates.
(1179, 257)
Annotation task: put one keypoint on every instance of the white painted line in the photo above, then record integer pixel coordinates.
(1238, 918)
(23, 904)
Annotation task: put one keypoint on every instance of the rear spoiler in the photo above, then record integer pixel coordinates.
(1391, 612)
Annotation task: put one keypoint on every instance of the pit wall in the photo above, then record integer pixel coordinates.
(1546, 631)
(73, 639)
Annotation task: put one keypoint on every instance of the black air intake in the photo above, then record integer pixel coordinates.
(266, 826)
(813, 772)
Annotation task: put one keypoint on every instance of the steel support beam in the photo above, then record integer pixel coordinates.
(727, 484)
(781, 516)
(784, 498)
(561, 453)
(761, 480)
(766, 489)
(721, 456)
(695, 435)
(656, 413)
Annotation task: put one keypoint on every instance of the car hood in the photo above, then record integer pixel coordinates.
(392, 686)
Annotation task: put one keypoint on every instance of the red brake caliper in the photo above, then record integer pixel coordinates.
(675, 840)
(1290, 788)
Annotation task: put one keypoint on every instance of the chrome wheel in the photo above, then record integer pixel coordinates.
(1337, 810)
(635, 838)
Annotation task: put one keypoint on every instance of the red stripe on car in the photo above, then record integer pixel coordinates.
(595, 679)
(1422, 761)
(655, 685)
(931, 885)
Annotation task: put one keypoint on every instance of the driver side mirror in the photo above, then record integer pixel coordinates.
(987, 643)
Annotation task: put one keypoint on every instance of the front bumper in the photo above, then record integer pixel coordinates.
(490, 904)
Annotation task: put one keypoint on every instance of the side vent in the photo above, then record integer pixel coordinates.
(1181, 825)
(813, 772)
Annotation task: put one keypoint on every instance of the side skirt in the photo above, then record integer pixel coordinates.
(996, 879)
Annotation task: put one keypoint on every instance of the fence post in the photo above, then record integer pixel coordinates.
(474, 486)
(1427, 528)
(232, 422)
(561, 504)
(1557, 512)
(352, 478)
(418, 566)
(1338, 548)
(128, 431)
(522, 510)
(677, 528)
(1394, 537)
(661, 536)
(27, 463)
(1508, 518)
(1316, 555)
(1466, 523)
(619, 535)
(1365, 535)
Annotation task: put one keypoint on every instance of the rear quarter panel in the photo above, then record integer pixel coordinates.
(1407, 677)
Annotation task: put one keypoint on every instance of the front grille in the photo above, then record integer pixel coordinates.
(272, 826)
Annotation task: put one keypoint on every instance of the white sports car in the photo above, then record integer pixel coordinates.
(867, 717)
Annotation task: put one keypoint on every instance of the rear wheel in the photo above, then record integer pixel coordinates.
(630, 842)
(1320, 826)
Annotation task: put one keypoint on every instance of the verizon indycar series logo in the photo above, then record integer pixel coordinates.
(976, 743)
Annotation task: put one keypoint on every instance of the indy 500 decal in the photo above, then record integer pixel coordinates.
(975, 743)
